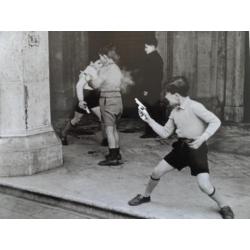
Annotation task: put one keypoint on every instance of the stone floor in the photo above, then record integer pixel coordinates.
(177, 196)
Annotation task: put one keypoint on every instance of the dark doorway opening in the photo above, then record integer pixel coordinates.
(129, 43)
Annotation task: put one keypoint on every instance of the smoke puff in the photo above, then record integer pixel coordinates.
(127, 81)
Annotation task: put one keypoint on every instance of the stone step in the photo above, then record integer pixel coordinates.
(91, 211)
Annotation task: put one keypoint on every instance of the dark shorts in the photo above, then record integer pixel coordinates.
(92, 99)
(183, 156)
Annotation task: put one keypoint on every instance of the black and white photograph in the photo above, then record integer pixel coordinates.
(125, 124)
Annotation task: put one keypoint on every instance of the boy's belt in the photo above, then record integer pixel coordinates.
(110, 94)
(185, 140)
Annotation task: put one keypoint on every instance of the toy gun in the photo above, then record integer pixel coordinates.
(140, 105)
(141, 108)
(86, 108)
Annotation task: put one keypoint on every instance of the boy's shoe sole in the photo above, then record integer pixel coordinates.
(226, 212)
(138, 200)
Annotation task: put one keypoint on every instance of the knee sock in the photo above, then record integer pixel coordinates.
(151, 185)
(112, 152)
(217, 198)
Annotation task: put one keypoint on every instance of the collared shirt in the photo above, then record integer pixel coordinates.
(109, 78)
(191, 120)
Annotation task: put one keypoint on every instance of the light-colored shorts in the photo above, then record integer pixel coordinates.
(111, 110)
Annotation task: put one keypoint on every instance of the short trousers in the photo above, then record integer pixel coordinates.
(111, 110)
(183, 156)
(91, 97)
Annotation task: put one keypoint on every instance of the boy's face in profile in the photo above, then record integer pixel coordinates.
(173, 99)
(149, 48)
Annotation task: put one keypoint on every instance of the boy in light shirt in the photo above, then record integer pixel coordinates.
(194, 125)
(109, 82)
(88, 100)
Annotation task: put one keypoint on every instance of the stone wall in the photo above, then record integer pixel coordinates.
(215, 65)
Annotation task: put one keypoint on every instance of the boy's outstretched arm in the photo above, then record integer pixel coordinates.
(163, 131)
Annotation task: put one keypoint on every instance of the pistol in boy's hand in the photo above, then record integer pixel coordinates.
(140, 105)
(142, 110)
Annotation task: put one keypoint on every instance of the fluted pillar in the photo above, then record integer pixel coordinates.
(28, 143)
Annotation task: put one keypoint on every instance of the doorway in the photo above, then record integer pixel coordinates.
(130, 45)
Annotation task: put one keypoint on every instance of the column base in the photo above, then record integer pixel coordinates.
(30, 154)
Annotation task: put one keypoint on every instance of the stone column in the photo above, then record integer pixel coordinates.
(28, 143)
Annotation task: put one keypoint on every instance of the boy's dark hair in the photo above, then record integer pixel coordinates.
(178, 84)
(111, 51)
(151, 40)
(107, 48)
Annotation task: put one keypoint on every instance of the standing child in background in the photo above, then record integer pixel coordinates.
(108, 81)
(152, 75)
(194, 125)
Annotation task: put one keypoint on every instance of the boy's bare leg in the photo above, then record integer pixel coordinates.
(111, 136)
(97, 112)
(114, 157)
(207, 187)
(71, 123)
(76, 119)
(162, 168)
(116, 135)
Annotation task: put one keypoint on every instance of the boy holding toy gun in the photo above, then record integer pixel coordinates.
(109, 81)
(194, 125)
(88, 99)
